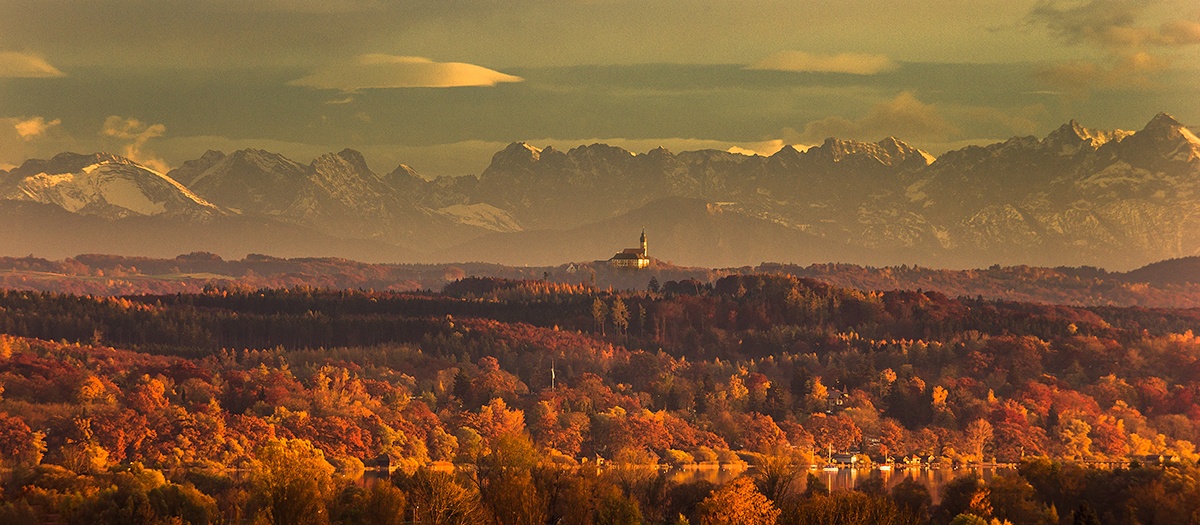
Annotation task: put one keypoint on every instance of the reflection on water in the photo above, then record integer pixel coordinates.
(369, 478)
(847, 479)
(716, 476)
(842, 479)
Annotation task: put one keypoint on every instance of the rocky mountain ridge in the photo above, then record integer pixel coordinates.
(1117, 199)
(105, 185)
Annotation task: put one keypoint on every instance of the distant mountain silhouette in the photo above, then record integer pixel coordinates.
(49, 231)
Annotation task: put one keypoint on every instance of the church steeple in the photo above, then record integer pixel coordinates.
(632, 257)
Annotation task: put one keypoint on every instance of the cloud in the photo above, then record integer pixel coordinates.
(23, 138)
(799, 61)
(1179, 33)
(138, 134)
(1022, 121)
(33, 127)
(23, 65)
(1079, 78)
(1114, 27)
(904, 117)
(321, 7)
(1112, 24)
(387, 71)
(765, 148)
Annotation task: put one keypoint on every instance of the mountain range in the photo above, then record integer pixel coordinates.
(1079, 196)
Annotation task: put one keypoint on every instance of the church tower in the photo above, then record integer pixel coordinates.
(632, 257)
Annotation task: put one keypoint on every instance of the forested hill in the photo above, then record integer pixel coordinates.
(771, 369)
(1184, 270)
(1169, 284)
(302, 317)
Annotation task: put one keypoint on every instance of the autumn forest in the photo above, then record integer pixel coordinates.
(534, 401)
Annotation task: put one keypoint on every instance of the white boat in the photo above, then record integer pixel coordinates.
(830, 466)
(887, 464)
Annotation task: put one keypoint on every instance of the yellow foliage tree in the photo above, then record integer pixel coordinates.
(291, 482)
(737, 503)
(92, 390)
(737, 387)
(818, 395)
(939, 397)
(977, 436)
(1074, 436)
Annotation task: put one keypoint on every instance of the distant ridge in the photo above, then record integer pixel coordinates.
(1171, 271)
(49, 231)
(101, 274)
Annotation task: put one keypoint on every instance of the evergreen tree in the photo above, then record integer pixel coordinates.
(801, 382)
(462, 386)
(1084, 515)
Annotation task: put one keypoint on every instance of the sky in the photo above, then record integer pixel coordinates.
(441, 85)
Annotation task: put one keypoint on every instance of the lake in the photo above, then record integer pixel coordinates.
(842, 479)
(848, 478)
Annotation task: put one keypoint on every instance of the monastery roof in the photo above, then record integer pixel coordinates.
(628, 255)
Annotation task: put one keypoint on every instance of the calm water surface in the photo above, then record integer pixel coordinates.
(847, 479)
(843, 479)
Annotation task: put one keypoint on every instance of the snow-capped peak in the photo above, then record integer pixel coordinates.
(1163, 120)
(1071, 138)
(103, 184)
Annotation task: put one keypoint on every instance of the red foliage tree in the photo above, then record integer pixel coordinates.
(16, 438)
(760, 433)
(837, 431)
(1014, 437)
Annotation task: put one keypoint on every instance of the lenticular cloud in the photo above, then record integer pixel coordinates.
(21, 65)
(386, 71)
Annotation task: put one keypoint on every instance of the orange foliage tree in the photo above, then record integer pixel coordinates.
(737, 503)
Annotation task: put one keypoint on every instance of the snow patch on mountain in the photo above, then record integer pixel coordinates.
(483, 216)
(126, 194)
(913, 191)
(1120, 172)
(1189, 148)
(112, 187)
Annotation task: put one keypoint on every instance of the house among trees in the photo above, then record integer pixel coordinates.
(844, 458)
(385, 462)
(836, 401)
(632, 257)
(1154, 459)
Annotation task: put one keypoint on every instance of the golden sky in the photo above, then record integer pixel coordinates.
(442, 84)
